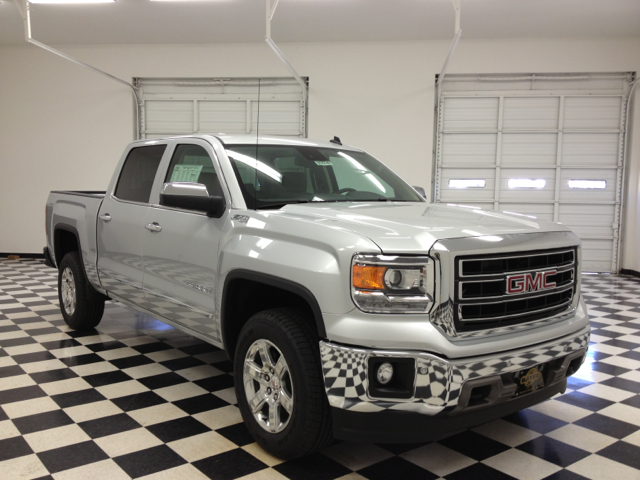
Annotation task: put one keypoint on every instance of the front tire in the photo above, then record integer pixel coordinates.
(81, 306)
(279, 384)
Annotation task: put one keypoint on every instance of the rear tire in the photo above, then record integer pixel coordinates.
(81, 306)
(277, 372)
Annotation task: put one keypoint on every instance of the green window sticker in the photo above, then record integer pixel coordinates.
(186, 173)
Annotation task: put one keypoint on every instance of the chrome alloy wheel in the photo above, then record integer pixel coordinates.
(68, 286)
(268, 386)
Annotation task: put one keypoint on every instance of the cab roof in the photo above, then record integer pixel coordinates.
(228, 139)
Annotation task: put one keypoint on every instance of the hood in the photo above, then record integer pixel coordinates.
(399, 227)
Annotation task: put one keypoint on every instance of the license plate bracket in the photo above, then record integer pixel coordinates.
(529, 380)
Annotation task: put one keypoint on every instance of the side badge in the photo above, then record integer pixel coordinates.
(241, 218)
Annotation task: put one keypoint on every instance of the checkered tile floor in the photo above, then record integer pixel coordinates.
(139, 399)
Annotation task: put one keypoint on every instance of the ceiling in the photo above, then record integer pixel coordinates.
(243, 21)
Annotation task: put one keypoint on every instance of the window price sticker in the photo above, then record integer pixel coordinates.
(186, 173)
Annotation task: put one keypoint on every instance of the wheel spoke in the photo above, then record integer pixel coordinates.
(274, 417)
(286, 401)
(253, 350)
(257, 402)
(253, 371)
(281, 367)
(264, 354)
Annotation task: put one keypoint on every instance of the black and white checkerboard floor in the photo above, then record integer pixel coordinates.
(139, 399)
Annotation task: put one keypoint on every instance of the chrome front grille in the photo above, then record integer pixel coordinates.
(499, 290)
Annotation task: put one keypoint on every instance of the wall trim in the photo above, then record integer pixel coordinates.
(22, 255)
(633, 273)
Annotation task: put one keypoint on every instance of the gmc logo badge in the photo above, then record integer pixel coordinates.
(530, 282)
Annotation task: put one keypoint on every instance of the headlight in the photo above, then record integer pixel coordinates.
(392, 284)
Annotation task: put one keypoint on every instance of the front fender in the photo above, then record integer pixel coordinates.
(310, 254)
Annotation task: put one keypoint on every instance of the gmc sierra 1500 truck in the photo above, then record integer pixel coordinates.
(350, 306)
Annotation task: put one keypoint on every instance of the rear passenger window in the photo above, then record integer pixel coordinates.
(191, 163)
(138, 173)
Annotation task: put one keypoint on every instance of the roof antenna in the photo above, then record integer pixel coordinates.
(336, 140)
(255, 171)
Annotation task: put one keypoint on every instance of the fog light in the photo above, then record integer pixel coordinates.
(385, 372)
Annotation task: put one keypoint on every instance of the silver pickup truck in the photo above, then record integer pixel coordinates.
(350, 306)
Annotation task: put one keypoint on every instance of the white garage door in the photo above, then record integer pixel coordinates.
(186, 106)
(546, 146)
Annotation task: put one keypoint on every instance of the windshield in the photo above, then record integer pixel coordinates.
(280, 174)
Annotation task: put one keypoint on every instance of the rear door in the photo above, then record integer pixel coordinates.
(121, 224)
(181, 246)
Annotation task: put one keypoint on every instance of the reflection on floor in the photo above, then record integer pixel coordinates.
(137, 398)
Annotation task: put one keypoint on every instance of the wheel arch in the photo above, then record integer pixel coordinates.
(265, 291)
(65, 240)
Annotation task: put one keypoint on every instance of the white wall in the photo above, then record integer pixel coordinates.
(64, 127)
(631, 226)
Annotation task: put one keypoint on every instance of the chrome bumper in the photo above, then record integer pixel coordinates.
(439, 383)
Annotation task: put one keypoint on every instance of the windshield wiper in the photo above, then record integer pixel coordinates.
(276, 206)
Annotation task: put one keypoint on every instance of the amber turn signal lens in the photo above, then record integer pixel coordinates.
(368, 277)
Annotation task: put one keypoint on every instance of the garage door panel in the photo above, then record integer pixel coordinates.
(588, 220)
(277, 118)
(173, 106)
(525, 149)
(469, 149)
(513, 193)
(595, 149)
(538, 211)
(470, 113)
(526, 113)
(227, 117)
(592, 112)
(600, 249)
(587, 231)
(169, 116)
(567, 209)
(595, 266)
(448, 193)
(581, 214)
(588, 195)
(556, 137)
(596, 255)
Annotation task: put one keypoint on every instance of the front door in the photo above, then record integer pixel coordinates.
(181, 247)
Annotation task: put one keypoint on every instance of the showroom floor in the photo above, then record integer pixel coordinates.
(137, 398)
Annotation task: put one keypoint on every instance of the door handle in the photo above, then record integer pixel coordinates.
(106, 217)
(153, 227)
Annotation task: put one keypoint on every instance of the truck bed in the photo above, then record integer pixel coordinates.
(76, 212)
(81, 193)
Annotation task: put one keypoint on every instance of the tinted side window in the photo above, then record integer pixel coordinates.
(191, 163)
(138, 172)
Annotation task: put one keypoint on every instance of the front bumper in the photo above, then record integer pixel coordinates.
(405, 427)
(441, 386)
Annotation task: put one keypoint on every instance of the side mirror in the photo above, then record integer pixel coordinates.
(421, 191)
(191, 196)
